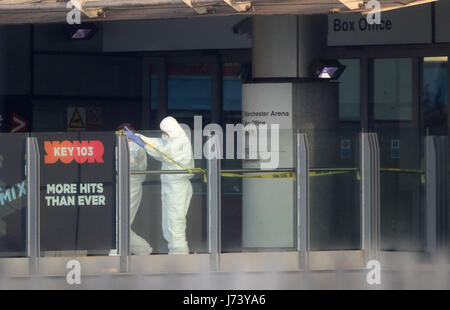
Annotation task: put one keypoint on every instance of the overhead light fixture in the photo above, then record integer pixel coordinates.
(82, 31)
(243, 27)
(329, 69)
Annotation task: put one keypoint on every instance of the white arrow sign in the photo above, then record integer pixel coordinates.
(20, 123)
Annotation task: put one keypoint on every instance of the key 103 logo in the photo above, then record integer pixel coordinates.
(67, 151)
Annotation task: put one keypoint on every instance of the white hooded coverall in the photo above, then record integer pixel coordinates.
(176, 189)
(138, 161)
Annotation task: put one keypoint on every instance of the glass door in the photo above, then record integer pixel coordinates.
(402, 183)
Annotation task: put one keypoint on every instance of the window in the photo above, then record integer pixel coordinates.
(232, 93)
(190, 91)
(154, 91)
(434, 103)
(154, 99)
(349, 91)
(392, 89)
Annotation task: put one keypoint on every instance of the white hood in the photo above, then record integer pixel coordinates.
(171, 127)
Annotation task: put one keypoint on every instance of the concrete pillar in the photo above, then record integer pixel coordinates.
(284, 47)
(274, 51)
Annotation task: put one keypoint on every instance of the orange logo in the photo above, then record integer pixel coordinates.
(66, 151)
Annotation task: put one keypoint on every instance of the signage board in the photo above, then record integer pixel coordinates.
(76, 119)
(77, 198)
(13, 195)
(412, 25)
(267, 219)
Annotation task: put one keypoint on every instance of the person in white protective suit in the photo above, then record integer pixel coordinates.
(175, 152)
(138, 161)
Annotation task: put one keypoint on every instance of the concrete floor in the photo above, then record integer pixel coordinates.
(335, 280)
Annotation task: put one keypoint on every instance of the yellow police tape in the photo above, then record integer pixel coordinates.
(280, 174)
(190, 170)
(259, 175)
(413, 171)
(402, 170)
(319, 174)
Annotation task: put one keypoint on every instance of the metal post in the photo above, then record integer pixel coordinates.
(430, 195)
(370, 192)
(366, 181)
(214, 237)
(123, 181)
(33, 189)
(442, 172)
(213, 153)
(376, 195)
(302, 191)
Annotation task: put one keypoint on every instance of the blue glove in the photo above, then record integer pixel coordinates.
(134, 138)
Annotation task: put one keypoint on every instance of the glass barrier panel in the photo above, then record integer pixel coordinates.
(77, 193)
(150, 215)
(334, 181)
(13, 195)
(258, 209)
(447, 221)
(402, 190)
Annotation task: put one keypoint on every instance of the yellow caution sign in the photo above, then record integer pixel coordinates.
(76, 122)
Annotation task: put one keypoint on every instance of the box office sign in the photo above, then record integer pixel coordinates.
(77, 191)
(405, 26)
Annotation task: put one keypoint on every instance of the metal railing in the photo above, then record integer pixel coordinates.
(370, 198)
